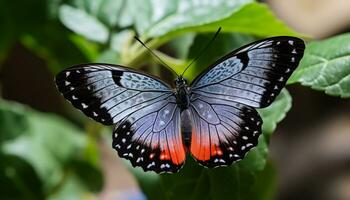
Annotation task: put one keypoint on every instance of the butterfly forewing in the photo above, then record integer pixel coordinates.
(254, 74)
(107, 93)
(142, 107)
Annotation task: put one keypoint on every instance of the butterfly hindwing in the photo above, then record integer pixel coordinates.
(254, 74)
(222, 131)
(107, 93)
(150, 138)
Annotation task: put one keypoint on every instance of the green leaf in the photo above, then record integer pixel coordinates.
(326, 66)
(121, 41)
(253, 19)
(9, 117)
(88, 174)
(55, 46)
(16, 20)
(265, 185)
(110, 11)
(72, 189)
(83, 23)
(276, 112)
(154, 18)
(168, 19)
(181, 45)
(52, 146)
(109, 56)
(18, 179)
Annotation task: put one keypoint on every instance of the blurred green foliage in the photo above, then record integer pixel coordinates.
(43, 156)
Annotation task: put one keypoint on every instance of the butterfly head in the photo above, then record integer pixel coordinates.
(180, 82)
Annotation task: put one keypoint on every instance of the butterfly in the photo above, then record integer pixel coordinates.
(219, 105)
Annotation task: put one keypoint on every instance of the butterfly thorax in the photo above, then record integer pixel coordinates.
(182, 93)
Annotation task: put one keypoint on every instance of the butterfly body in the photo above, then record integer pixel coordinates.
(220, 105)
(182, 93)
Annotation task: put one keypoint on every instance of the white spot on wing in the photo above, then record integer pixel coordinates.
(255, 132)
(249, 145)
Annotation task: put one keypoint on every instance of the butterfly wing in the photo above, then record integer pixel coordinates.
(143, 108)
(254, 74)
(222, 131)
(225, 124)
(107, 93)
(151, 138)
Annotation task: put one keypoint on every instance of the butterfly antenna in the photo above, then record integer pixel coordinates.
(155, 55)
(202, 51)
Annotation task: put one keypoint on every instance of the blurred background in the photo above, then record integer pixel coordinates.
(51, 151)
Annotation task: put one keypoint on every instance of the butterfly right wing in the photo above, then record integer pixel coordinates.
(225, 124)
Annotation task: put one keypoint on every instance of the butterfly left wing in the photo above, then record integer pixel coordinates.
(143, 108)
(222, 131)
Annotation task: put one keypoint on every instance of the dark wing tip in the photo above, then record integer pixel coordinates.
(70, 83)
